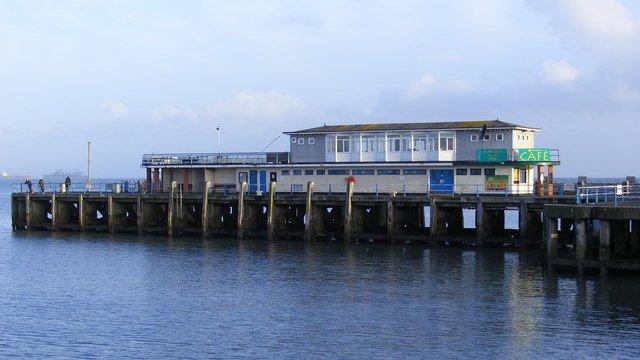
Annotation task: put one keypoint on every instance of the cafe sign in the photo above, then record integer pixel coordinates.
(532, 155)
(493, 155)
(496, 182)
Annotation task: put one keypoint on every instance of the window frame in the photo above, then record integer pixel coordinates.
(500, 137)
(390, 172)
(489, 171)
(296, 172)
(300, 141)
(363, 172)
(285, 173)
(474, 137)
(308, 172)
(486, 137)
(475, 172)
(311, 141)
(462, 172)
(414, 172)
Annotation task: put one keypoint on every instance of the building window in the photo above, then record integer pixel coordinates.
(368, 144)
(486, 137)
(294, 140)
(393, 144)
(414, 172)
(406, 144)
(363, 172)
(308, 172)
(297, 172)
(433, 143)
(381, 145)
(342, 144)
(499, 137)
(461, 171)
(446, 142)
(339, 172)
(285, 172)
(489, 171)
(300, 141)
(311, 141)
(330, 148)
(296, 187)
(242, 177)
(519, 176)
(476, 171)
(388, 171)
(475, 137)
(420, 144)
(320, 172)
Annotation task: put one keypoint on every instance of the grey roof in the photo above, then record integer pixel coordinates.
(452, 125)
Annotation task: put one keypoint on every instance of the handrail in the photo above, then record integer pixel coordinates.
(214, 158)
(614, 194)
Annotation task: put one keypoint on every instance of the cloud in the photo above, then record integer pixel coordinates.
(558, 72)
(114, 107)
(170, 112)
(427, 85)
(626, 95)
(593, 23)
(253, 105)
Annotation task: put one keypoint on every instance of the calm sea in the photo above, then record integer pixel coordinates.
(101, 296)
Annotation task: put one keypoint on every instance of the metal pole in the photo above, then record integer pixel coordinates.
(88, 164)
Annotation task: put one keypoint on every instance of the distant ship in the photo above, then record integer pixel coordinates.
(60, 175)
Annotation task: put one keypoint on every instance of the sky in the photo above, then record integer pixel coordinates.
(140, 77)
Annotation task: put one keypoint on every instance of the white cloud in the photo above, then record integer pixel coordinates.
(114, 107)
(170, 112)
(594, 23)
(427, 85)
(252, 105)
(559, 71)
(626, 95)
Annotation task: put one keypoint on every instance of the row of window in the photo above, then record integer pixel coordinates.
(459, 172)
(487, 137)
(344, 144)
(300, 140)
(476, 171)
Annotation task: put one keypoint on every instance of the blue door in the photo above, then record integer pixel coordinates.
(253, 181)
(263, 181)
(441, 181)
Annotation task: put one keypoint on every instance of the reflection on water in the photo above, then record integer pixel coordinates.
(109, 296)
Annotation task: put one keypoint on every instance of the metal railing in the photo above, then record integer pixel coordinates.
(125, 186)
(614, 194)
(215, 158)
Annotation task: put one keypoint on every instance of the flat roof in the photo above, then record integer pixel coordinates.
(451, 125)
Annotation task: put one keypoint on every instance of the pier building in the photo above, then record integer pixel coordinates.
(466, 157)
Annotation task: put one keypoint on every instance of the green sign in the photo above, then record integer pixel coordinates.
(496, 182)
(532, 155)
(493, 155)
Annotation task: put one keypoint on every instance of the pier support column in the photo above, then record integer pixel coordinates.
(604, 246)
(243, 190)
(480, 226)
(27, 210)
(523, 225)
(434, 220)
(581, 242)
(635, 237)
(271, 210)
(54, 211)
(391, 220)
(140, 215)
(551, 237)
(111, 215)
(620, 237)
(170, 206)
(348, 210)
(82, 219)
(310, 225)
(205, 209)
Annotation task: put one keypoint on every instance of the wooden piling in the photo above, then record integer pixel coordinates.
(348, 212)
(581, 242)
(82, 221)
(271, 211)
(523, 224)
(243, 190)
(551, 237)
(140, 214)
(604, 245)
(391, 223)
(27, 210)
(434, 227)
(54, 210)
(111, 215)
(170, 206)
(480, 224)
(310, 225)
(205, 209)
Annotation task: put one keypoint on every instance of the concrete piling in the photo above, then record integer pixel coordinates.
(551, 237)
(205, 209)
(241, 209)
(271, 210)
(170, 208)
(348, 210)
(311, 223)
(391, 221)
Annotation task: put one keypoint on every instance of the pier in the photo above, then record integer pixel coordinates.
(311, 215)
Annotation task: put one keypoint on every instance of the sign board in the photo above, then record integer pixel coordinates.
(496, 182)
(493, 155)
(532, 155)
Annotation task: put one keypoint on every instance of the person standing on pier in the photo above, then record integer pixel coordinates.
(67, 183)
(29, 185)
(41, 185)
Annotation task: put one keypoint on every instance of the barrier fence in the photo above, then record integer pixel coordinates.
(614, 194)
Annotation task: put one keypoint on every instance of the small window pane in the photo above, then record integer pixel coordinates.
(301, 141)
(476, 172)
(461, 171)
(320, 172)
(388, 171)
(489, 171)
(414, 172)
(363, 172)
(311, 141)
(285, 172)
(339, 172)
(297, 172)
(308, 172)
